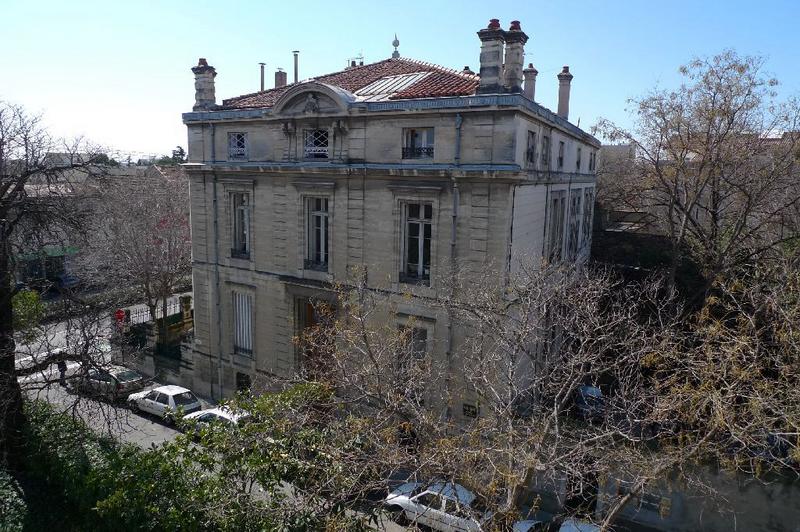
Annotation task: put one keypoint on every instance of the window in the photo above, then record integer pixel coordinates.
(242, 323)
(317, 234)
(415, 342)
(162, 399)
(469, 410)
(561, 155)
(588, 209)
(530, 153)
(418, 143)
(592, 161)
(240, 239)
(545, 152)
(574, 223)
(315, 143)
(417, 241)
(558, 205)
(242, 382)
(578, 161)
(431, 500)
(237, 146)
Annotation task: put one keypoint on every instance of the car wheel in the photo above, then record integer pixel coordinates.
(398, 516)
(134, 407)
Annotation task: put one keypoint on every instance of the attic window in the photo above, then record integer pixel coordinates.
(315, 143)
(237, 146)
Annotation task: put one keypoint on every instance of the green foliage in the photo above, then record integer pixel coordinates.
(28, 313)
(13, 510)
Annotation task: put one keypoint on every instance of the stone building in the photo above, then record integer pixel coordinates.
(397, 169)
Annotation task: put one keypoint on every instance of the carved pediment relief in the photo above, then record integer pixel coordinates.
(312, 98)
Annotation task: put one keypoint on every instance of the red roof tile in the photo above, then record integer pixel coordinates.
(442, 82)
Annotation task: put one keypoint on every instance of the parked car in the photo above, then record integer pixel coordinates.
(165, 401)
(220, 415)
(439, 506)
(112, 383)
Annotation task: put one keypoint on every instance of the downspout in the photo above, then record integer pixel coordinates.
(453, 233)
(218, 298)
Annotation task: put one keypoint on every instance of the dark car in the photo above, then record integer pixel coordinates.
(112, 382)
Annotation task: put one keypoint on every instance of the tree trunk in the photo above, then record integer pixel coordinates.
(12, 416)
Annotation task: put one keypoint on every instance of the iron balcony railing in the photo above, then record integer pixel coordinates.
(423, 152)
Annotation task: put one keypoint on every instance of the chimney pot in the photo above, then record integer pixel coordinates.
(204, 93)
(564, 81)
(529, 90)
(515, 57)
(280, 78)
(296, 53)
(491, 60)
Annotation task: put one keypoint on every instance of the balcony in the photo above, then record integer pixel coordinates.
(315, 152)
(414, 152)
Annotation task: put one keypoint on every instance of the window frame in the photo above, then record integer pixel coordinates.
(555, 222)
(578, 160)
(588, 215)
(562, 146)
(574, 232)
(242, 332)
(545, 156)
(240, 250)
(530, 152)
(314, 154)
(427, 146)
(243, 141)
(421, 277)
(311, 213)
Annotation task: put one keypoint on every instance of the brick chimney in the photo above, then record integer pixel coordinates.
(491, 70)
(280, 78)
(564, 80)
(515, 57)
(530, 81)
(204, 96)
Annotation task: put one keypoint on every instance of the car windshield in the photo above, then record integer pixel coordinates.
(185, 398)
(127, 375)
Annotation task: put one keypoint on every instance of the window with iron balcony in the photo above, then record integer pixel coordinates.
(315, 143)
(418, 143)
(237, 146)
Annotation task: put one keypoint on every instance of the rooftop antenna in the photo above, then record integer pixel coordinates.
(395, 43)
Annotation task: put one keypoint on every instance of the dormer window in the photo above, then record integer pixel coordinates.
(315, 143)
(418, 143)
(237, 146)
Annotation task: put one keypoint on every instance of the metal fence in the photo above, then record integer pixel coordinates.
(142, 315)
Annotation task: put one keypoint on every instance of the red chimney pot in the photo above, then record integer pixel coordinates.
(494, 24)
(515, 26)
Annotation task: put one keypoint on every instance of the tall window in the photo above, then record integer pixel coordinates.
(415, 340)
(588, 209)
(240, 240)
(561, 155)
(574, 223)
(530, 153)
(237, 146)
(315, 143)
(418, 143)
(558, 207)
(578, 161)
(242, 323)
(317, 234)
(545, 152)
(417, 256)
(592, 161)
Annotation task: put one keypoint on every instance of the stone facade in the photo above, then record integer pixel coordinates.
(477, 172)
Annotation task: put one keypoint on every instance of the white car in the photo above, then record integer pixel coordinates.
(439, 506)
(218, 414)
(569, 525)
(164, 401)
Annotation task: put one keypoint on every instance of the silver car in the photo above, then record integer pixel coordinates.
(112, 383)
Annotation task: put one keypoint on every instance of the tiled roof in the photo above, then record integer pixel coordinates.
(439, 82)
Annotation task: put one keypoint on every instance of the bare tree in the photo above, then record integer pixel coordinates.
(147, 240)
(716, 162)
(38, 176)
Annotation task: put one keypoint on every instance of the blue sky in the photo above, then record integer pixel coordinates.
(118, 72)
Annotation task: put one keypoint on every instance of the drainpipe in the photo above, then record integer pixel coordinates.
(453, 234)
(218, 298)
